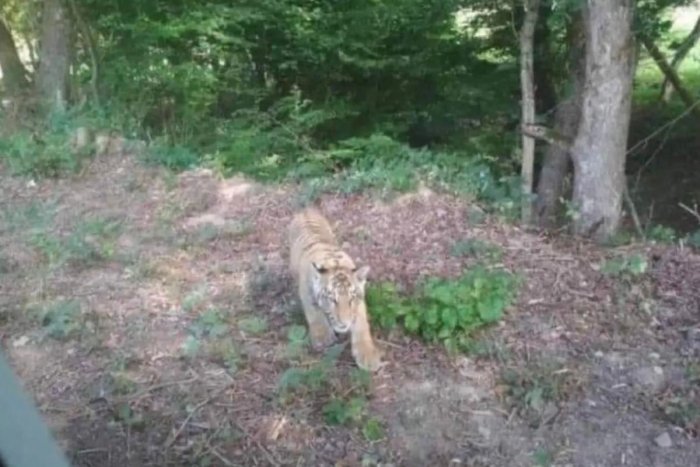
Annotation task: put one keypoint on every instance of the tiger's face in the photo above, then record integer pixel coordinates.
(338, 294)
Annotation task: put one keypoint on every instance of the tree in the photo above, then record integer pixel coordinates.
(599, 149)
(557, 157)
(14, 75)
(54, 56)
(527, 83)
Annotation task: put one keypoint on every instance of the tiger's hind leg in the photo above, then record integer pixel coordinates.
(320, 330)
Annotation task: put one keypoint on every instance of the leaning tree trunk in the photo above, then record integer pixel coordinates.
(527, 83)
(557, 158)
(682, 52)
(14, 75)
(599, 149)
(54, 56)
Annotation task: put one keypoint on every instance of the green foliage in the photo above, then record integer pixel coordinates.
(253, 325)
(694, 239)
(311, 379)
(50, 156)
(29, 218)
(534, 390)
(542, 458)
(445, 311)
(62, 320)
(477, 248)
(297, 341)
(386, 165)
(346, 397)
(209, 333)
(211, 323)
(373, 430)
(661, 234)
(341, 412)
(92, 240)
(625, 266)
(175, 157)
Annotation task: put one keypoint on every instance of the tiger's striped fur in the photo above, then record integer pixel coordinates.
(331, 287)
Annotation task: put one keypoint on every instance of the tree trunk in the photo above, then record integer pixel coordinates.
(54, 56)
(682, 52)
(14, 75)
(671, 75)
(545, 89)
(557, 158)
(599, 149)
(527, 83)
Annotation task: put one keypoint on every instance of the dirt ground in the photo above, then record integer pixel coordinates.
(586, 369)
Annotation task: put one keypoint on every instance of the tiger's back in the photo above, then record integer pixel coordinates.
(312, 239)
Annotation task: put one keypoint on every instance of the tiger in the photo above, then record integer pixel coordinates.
(331, 288)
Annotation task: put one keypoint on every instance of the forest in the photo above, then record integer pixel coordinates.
(521, 177)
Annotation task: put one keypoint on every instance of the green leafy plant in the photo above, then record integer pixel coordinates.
(297, 341)
(91, 241)
(309, 379)
(661, 234)
(445, 311)
(340, 411)
(535, 389)
(62, 320)
(373, 430)
(253, 325)
(625, 266)
(476, 248)
(211, 324)
(694, 239)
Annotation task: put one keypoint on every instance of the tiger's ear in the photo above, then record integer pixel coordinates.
(361, 274)
(319, 268)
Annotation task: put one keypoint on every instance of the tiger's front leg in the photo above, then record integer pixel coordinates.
(365, 352)
(320, 330)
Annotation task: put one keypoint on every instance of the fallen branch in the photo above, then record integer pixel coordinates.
(692, 211)
(194, 410)
(547, 134)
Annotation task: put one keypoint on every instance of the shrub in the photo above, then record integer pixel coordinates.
(445, 310)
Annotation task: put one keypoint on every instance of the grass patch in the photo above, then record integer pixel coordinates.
(47, 150)
(62, 320)
(91, 241)
(475, 248)
(339, 398)
(381, 164)
(535, 391)
(253, 325)
(625, 266)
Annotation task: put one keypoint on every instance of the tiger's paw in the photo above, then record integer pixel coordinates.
(367, 356)
(322, 337)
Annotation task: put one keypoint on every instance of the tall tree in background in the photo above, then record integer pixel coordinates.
(527, 83)
(599, 148)
(14, 75)
(52, 79)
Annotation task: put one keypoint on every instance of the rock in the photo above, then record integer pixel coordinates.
(663, 440)
(650, 378)
(21, 342)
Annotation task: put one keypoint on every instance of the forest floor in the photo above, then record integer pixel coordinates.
(153, 319)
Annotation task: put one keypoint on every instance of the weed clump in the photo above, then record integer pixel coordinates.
(445, 311)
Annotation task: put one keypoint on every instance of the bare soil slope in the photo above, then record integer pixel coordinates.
(104, 280)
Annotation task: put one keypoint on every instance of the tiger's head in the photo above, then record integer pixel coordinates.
(339, 292)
